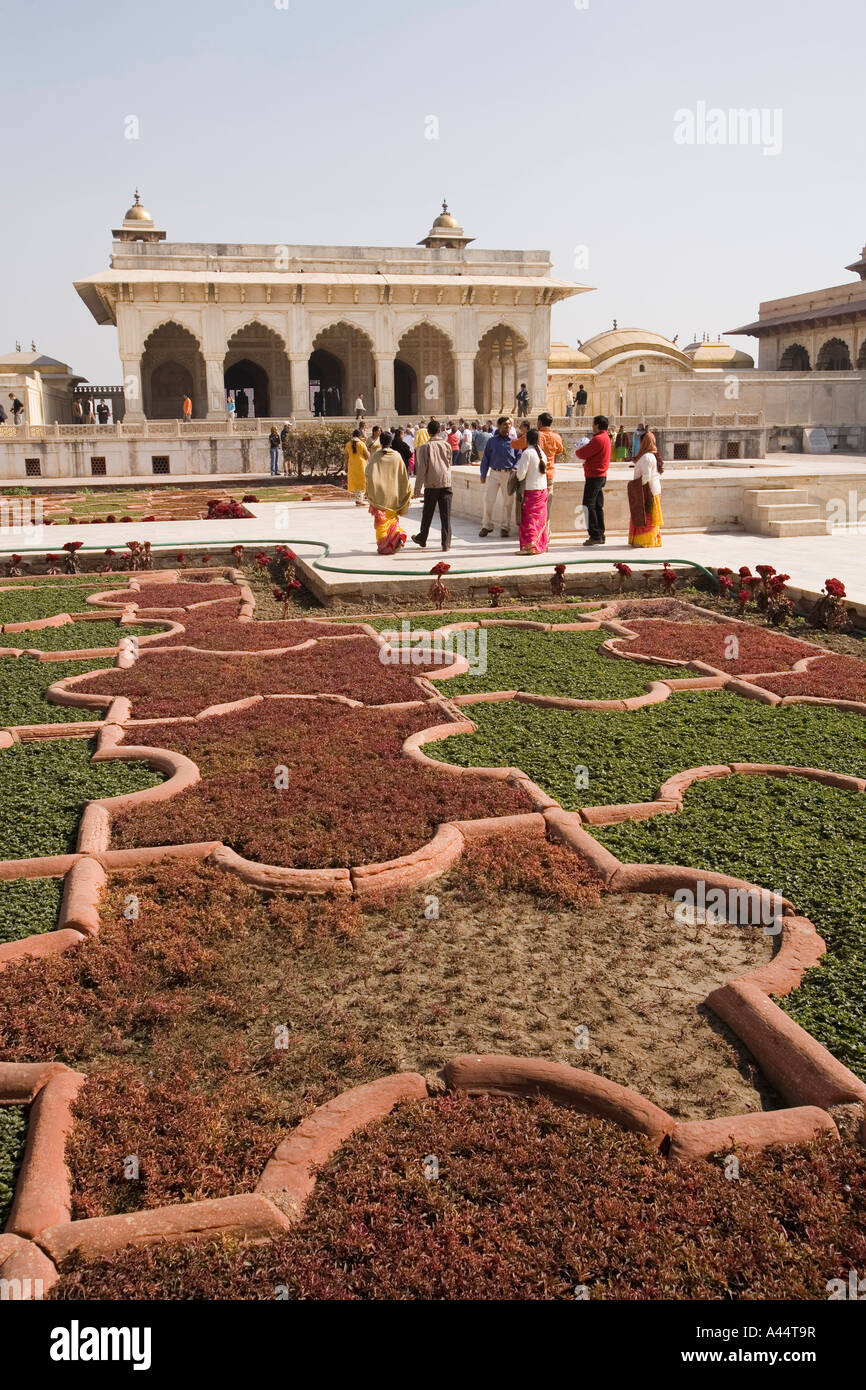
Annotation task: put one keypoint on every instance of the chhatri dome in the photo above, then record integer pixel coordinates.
(137, 225)
(446, 232)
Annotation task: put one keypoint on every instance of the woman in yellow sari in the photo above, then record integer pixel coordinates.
(645, 495)
(357, 456)
(389, 493)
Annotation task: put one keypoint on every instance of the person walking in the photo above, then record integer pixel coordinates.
(522, 399)
(187, 410)
(621, 446)
(465, 444)
(480, 436)
(433, 463)
(645, 496)
(497, 465)
(286, 446)
(581, 399)
(403, 449)
(595, 455)
(389, 493)
(274, 449)
(532, 472)
(357, 458)
(569, 400)
(360, 408)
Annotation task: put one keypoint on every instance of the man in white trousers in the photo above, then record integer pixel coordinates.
(497, 465)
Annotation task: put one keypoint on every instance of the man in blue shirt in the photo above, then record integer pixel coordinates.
(497, 464)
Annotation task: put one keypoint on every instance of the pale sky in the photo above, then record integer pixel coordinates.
(303, 121)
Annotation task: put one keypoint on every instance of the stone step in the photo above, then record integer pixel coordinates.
(790, 511)
(803, 527)
(770, 496)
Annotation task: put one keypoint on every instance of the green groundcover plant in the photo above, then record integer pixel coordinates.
(13, 1132)
(75, 635)
(588, 758)
(799, 838)
(23, 683)
(28, 906)
(431, 620)
(24, 604)
(556, 663)
(43, 786)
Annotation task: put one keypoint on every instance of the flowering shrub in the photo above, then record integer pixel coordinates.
(744, 598)
(439, 592)
(669, 578)
(624, 573)
(219, 509)
(495, 591)
(557, 581)
(14, 566)
(830, 612)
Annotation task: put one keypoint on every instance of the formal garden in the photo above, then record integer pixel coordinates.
(503, 952)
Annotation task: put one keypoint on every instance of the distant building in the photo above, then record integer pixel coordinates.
(42, 384)
(435, 329)
(820, 331)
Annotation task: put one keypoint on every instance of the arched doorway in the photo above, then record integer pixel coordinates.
(256, 362)
(861, 360)
(834, 356)
(326, 384)
(343, 355)
(795, 359)
(500, 367)
(426, 354)
(252, 389)
(405, 388)
(172, 367)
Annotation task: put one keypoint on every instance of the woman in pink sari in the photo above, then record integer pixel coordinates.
(531, 470)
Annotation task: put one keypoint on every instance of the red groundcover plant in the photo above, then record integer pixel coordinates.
(831, 678)
(759, 649)
(162, 685)
(379, 803)
(217, 629)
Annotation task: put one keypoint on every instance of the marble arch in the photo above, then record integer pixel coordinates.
(172, 366)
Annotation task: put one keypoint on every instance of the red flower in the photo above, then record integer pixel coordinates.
(72, 546)
(205, 559)
(765, 570)
(835, 588)
(495, 589)
(279, 595)
(620, 566)
(249, 497)
(745, 572)
(110, 552)
(723, 570)
(744, 597)
(559, 569)
(726, 583)
(440, 568)
(181, 557)
(16, 559)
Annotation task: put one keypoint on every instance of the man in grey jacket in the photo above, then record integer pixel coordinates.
(433, 477)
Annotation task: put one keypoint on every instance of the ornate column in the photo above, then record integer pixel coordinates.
(301, 386)
(216, 393)
(133, 412)
(384, 382)
(538, 384)
(465, 364)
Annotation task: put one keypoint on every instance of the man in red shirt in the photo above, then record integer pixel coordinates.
(596, 460)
